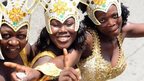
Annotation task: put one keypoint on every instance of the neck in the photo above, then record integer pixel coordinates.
(56, 50)
(107, 38)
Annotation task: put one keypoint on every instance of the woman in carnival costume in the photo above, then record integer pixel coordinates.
(64, 31)
(107, 20)
(64, 34)
(14, 27)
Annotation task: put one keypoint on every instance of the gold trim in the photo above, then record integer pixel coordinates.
(42, 54)
(23, 55)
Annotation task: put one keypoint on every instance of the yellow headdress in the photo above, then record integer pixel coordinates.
(16, 14)
(61, 10)
(100, 5)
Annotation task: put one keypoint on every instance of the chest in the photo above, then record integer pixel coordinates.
(110, 52)
(105, 62)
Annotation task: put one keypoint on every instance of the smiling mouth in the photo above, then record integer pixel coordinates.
(64, 38)
(13, 49)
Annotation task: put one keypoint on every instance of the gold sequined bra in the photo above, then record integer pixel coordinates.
(96, 68)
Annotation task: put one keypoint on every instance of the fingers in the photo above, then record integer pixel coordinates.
(14, 66)
(33, 75)
(23, 73)
(65, 51)
(69, 74)
(65, 58)
(10, 64)
(78, 74)
(75, 73)
(66, 78)
(14, 77)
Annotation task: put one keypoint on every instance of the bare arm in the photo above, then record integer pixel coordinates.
(133, 30)
(31, 74)
(71, 59)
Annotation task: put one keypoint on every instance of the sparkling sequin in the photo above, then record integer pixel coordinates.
(96, 68)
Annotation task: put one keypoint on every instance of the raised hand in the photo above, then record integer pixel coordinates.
(68, 73)
(66, 65)
(71, 58)
(23, 73)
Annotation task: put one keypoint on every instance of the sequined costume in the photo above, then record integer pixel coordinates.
(96, 68)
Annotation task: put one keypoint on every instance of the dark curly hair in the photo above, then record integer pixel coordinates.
(78, 44)
(125, 14)
(89, 23)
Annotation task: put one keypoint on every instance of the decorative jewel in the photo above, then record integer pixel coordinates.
(100, 2)
(16, 15)
(60, 7)
(61, 10)
(97, 65)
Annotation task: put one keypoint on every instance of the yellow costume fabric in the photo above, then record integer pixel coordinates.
(46, 67)
(96, 68)
(23, 55)
(42, 54)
